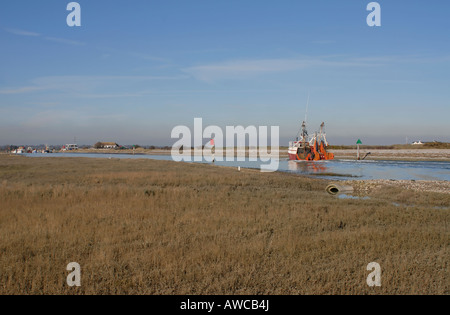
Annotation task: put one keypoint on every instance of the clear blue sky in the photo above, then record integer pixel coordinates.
(136, 69)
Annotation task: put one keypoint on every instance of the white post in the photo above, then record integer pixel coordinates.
(358, 157)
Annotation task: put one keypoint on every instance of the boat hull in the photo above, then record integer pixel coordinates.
(310, 156)
(293, 157)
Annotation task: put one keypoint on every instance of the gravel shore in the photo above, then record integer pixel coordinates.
(366, 186)
(410, 154)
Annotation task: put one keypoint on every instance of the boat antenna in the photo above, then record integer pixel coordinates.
(307, 105)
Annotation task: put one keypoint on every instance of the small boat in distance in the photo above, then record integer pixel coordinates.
(306, 148)
(19, 150)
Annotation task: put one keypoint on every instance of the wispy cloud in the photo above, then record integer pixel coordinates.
(20, 90)
(90, 86)
(108, 52)
(244, 68)
(63, 117)
(21, 32)
(48, 38)
(65, 41)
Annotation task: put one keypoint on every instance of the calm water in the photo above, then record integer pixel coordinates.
(337, 169)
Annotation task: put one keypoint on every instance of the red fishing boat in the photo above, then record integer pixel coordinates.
(306, 148)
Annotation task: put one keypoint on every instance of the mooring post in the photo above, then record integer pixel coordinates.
(213, 150)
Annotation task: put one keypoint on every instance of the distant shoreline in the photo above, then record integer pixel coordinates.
(403, 153)
(340, 154)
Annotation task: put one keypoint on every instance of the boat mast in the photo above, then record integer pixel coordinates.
(304, 132)
(323, 135)
(306, 113)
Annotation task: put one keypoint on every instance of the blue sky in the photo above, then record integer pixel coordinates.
(136, 69)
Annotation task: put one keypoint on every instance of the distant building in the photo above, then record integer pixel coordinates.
(70, 147)
(106, 145)
(417, 142)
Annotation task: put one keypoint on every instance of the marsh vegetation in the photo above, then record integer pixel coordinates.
(159, 227)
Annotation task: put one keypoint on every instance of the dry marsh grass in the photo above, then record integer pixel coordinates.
(158, 227)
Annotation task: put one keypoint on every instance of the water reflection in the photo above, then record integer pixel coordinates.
(335, 169)
(307, 167)
(345, 196)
